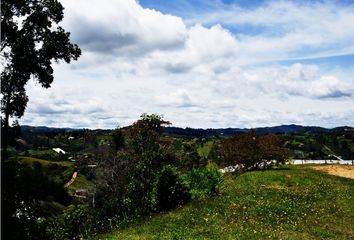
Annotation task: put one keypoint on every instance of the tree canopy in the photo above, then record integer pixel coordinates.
(249, 150)
(31, 39)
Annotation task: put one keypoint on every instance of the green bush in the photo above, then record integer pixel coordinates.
(171, 189)
(73, 223)
(204, 181)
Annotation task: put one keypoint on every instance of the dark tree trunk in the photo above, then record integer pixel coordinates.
(5, 136)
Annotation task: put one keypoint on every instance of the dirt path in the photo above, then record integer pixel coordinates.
(71, 180)
(338, 170)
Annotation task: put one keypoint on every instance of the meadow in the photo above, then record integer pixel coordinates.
(292, 202)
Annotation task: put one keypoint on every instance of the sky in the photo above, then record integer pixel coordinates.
(202, 64)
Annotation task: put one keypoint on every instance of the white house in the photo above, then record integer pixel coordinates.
(58, 150)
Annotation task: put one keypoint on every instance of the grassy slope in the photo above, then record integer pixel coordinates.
(59, 171)
(204, 150)
(294, 203)
(31, 160)
(81, 182)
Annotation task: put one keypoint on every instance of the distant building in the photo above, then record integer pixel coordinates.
(58, 150)
(72, 159)
(21, 142)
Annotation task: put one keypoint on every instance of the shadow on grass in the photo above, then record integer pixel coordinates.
(279, 168)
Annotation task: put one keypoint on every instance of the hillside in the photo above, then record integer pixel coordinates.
(287, 203)
(109, 190)
(209, 132)
(304, 142)
(281, 129)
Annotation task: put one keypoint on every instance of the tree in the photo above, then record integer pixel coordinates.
(190, 158)
(147, 156)
(126, 178)
(240, 150)
(118, 138)
(272, 148)
(13, 132)
(250, 150)
(26, 187)
(31, 39)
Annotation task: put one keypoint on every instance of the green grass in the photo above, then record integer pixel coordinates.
(81, 182)
(34, 152)
(204, 150)
(293, 203)
(103, 139)
(31, 160)
(59, 171)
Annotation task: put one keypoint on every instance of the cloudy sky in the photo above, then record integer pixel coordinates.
(231, 63)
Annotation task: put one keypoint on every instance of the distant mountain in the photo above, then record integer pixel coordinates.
(282, 129)
(290, 129)
(44, 129)
(209, 132)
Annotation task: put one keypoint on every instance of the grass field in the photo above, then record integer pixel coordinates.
(80, 181)
(290, 203)
(31, 160)
(59, 171)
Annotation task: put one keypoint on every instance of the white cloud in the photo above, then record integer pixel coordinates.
(299, 80)
(139, 60)
(178, 98)
(122, 27)
(330, 86)
(287, 29)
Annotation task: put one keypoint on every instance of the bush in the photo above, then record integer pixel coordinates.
(204, 181)
(73, 223)
(171, 189)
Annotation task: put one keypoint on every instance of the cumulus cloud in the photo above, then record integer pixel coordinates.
(197, 72)
(179, 98)
(286, 29)
(299, 80)
(330, 87)
(203, 49)
(122, 27)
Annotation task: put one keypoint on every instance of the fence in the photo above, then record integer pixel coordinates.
(324, 161)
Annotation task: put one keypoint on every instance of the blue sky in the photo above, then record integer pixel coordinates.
(203, 64)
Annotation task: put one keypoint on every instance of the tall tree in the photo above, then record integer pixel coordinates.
(30, 40)
(147, 155)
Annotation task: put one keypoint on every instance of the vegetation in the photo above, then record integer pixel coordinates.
(31, 160)
(322, 145)
(251, 151)
(149, 176)
(29, 193)
(172, 190)
(204, 181)
(285, 203)
(122, 175)
(30, 40)
(129, 174)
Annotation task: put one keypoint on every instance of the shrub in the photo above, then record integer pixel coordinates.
(171, 189)
(204, 181)
(73, 223)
